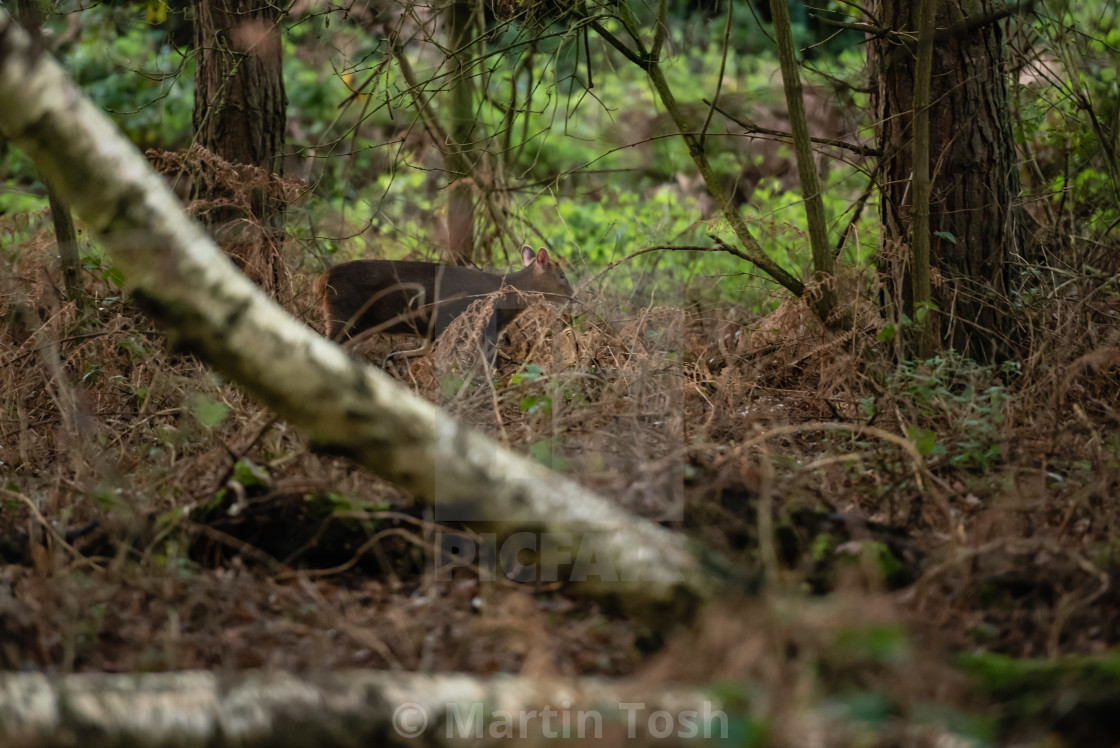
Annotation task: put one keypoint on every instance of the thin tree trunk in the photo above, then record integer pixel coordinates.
(68, 258)
(919, 239)
(824, 297)
(30, 14)
(458, 158)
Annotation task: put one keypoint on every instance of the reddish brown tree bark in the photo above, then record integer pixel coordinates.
(239, 116)
(975, 180)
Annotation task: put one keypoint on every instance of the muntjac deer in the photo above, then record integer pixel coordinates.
(423, 298)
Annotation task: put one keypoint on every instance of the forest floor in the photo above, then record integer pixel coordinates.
(156, 518)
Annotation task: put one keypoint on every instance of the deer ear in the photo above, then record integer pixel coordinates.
(542, 256)
(528, 256)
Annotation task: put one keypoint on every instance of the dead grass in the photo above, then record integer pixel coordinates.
(156, 518)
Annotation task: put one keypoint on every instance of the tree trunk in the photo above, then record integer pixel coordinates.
(239, 116)
(458, 159)
(975, 182)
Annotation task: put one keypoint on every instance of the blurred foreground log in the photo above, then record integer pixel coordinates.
(356, 708)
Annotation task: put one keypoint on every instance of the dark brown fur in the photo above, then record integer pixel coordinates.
(423, 298)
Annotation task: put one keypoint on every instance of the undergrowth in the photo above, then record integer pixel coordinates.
(155, 517)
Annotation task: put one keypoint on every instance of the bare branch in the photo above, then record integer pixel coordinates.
(753, 128)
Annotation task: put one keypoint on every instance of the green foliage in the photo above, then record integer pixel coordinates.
(131, 71)
(925, 441)
(1080, 689)
(248, 473)
(822, 548)
(885, 644)
(377, 189)
(335, 501)
(369, 179)
(532, 373)
(872, 557)
(548, 452)
(534, 403)
(963, 404)
(909, 327)
(19, 199)
(862, 706)
(129, 68)
(208, 412)
(1067, 106)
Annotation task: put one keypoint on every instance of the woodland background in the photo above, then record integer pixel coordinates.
(889, 404)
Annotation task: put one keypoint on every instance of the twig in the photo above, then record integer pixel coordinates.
(723, 247)
(47, 525)
(242, 547)
(615, 42)
(719, 80)
(962, 27)
(356, 633)
(354, 559)
(753, 128)
(767, 546)
(920, 469)
(861, 203)
(427, 115)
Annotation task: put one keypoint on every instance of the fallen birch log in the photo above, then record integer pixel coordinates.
(355, 708)
(206, 305)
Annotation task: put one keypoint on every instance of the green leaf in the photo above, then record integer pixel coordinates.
(209, 413)
(544, 452)
(536, 404)
(248, 473)
(947, 236)
(531, 374)
(925, 441)
(867, 405)
(113, 275)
